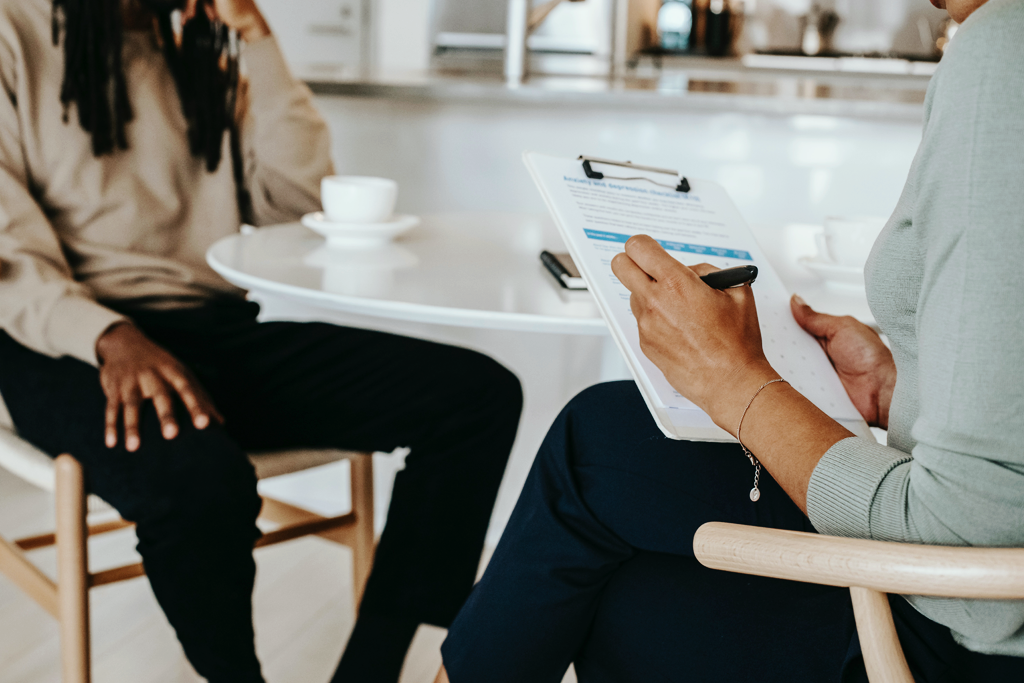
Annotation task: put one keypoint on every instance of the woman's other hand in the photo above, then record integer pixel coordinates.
(241, 15)
(863, 362)
(133, 369)
(706, 341)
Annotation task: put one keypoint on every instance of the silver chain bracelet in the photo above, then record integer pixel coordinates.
(755, 493)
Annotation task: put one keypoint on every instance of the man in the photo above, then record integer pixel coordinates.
(125, 152)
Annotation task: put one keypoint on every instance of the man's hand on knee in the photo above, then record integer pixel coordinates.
(133, 369)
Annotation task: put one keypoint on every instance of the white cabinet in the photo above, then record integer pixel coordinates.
(316, 33)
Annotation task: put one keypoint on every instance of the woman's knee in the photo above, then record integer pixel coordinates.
(590, 422)
(612, 414)
(606, 403)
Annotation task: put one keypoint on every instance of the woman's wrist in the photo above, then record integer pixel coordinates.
(788, 434)
(731, 399)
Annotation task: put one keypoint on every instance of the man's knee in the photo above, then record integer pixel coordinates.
(486, 383)
(199, 479)
(503, 385)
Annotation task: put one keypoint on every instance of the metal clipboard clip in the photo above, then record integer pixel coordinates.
(682, 184)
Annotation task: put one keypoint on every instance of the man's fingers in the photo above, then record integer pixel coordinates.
(113, 412)
(165, 413)
(630, 275)
(131, 424)
(819, 325)
(208, 410)
(154, 388)
(211, 11)
(653, 259)
(196, 402)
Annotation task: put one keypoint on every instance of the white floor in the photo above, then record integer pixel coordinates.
(303, 612)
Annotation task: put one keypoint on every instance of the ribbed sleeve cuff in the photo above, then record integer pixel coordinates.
(76, 324)
(266, 70)
(844, 484)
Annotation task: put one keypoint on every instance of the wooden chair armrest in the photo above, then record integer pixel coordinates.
(903, 568)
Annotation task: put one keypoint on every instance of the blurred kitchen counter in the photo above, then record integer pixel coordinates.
(692, 84)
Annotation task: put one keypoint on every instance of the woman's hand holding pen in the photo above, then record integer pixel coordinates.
(708, 344)
(864, 364)
(706, 341)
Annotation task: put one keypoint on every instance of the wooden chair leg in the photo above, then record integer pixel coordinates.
(363, 539)
(883, 656)
(28, 578)
(72, 571)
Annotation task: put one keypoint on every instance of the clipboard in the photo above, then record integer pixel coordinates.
(681, 184)
(695, 221)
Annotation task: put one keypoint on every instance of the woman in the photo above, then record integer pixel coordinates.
(596, 565)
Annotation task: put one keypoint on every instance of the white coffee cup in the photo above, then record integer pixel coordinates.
(358, 199)
(848, 240)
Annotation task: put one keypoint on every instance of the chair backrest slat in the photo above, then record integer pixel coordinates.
(904, 568)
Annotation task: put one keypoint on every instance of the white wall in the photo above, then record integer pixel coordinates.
(467, 156)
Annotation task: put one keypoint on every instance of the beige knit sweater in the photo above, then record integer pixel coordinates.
(77, 231)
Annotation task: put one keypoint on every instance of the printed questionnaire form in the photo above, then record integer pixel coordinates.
(596, 217)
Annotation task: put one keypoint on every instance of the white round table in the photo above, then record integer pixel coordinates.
(475, 280)
(466, 270)
(478, 270)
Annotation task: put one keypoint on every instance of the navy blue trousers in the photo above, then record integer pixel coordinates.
(287, 385)
(596, 567)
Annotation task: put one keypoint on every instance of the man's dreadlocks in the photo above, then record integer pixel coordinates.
(204, 66)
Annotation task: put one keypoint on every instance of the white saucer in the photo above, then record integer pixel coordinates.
(834, 274)
(359, 235)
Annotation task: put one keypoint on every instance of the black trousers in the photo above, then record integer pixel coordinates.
(596, 567)
(283, 385)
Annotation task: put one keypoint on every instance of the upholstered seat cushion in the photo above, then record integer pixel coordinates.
(275, 463)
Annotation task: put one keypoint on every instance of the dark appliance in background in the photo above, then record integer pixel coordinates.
(718, 28)
(695, 27)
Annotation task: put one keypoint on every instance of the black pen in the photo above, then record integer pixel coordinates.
(731, 277)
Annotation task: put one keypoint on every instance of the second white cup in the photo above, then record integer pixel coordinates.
(358, 199)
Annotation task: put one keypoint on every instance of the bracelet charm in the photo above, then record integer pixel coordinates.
(755, 493)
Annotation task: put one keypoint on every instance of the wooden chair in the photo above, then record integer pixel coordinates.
(870, 569)
(67, 599)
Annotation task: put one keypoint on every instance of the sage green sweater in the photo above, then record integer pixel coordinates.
(946, 284)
